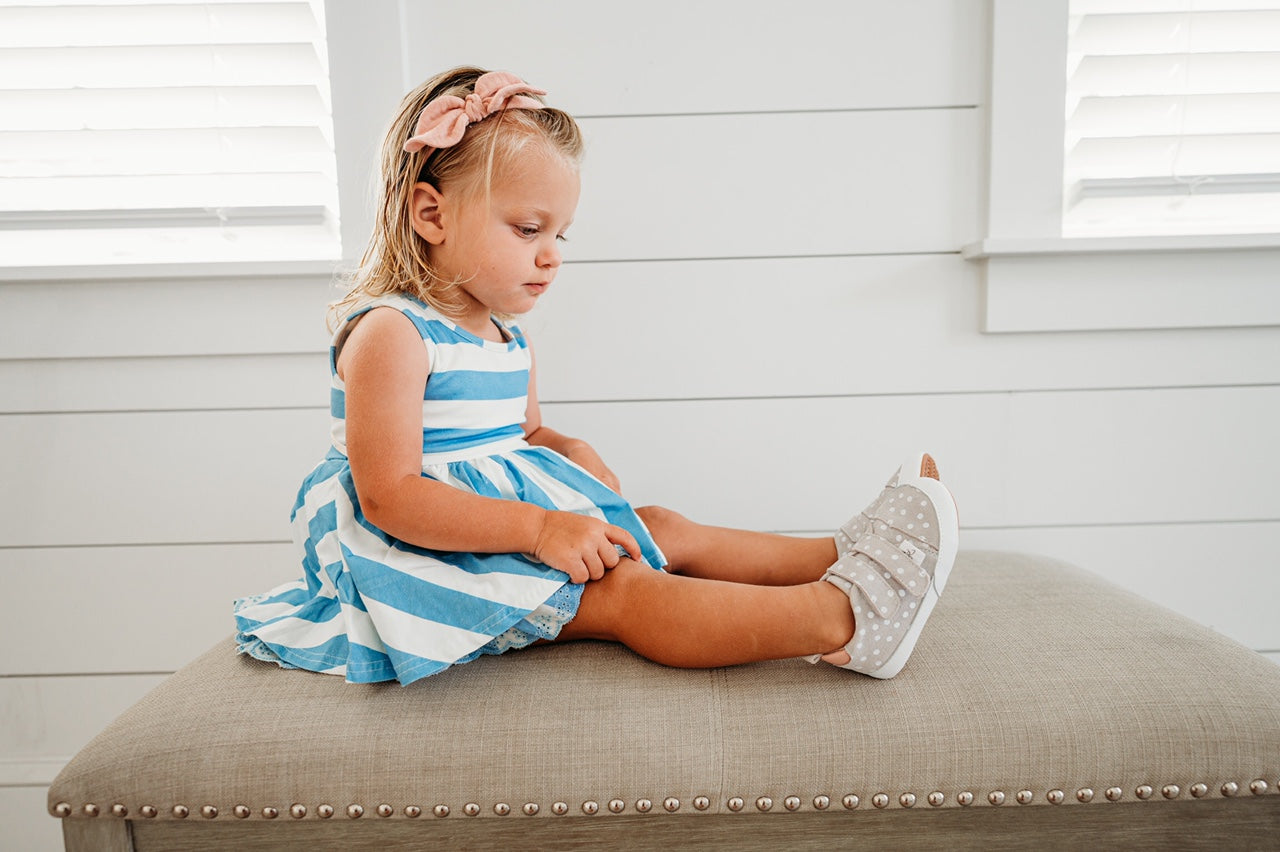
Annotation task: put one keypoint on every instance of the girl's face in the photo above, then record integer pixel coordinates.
(506, 253)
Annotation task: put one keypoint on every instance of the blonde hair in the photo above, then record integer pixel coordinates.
(397, 259)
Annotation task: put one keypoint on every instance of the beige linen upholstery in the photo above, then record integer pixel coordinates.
(1035, 682)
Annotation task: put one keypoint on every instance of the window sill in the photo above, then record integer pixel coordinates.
(1129, 283)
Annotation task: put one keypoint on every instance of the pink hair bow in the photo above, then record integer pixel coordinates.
(443, 121)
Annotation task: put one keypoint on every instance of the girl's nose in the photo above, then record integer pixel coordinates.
(549, 256)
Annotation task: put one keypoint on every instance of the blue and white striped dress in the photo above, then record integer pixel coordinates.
(374, 608)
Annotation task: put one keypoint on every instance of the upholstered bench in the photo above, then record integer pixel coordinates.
(1043, 708)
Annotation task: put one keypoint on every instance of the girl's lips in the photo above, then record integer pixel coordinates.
(537, 287)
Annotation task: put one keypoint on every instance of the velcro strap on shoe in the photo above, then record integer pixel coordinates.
(907, 512)
(859, 572)
(903, 562)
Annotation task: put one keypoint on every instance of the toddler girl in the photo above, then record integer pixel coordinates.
(448, 521)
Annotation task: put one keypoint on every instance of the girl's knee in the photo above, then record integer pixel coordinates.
(675, 534)
(663, 523)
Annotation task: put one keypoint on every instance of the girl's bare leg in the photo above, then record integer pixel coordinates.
(739, 556)
(692, 622)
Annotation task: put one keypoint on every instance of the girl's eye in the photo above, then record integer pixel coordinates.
(527, 230)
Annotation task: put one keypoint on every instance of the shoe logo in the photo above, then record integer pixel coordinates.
(914, 553)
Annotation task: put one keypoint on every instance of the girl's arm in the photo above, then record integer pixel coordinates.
(384, 367)
(574, 449)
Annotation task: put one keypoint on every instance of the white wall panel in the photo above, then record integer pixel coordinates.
(686, 330)
(48, 719)
(1185, 567)
(69, 319)
(670, 56)
(753, 185)
(153, 608)
(160, 384)
(28, 825)
(1036, 459)
(160, 477)
(839, 325)
(1015, 459)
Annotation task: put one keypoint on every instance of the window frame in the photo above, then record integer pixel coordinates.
(1036, 280)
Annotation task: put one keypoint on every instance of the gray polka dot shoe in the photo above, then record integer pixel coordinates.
(894, 572)
(917, 466)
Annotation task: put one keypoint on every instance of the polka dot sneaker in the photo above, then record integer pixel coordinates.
(917, 466)
(894, 572)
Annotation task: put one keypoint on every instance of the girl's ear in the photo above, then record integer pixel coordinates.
(426, 213)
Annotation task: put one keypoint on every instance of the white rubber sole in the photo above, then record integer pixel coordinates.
(948, 544)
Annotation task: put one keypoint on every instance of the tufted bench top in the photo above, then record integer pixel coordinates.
(1042, 703)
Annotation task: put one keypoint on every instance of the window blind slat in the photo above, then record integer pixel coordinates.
(1159, 33)
(144, 67)
(1199, 74)
(1171, 115)
(144, 152)
(156, 192)
(156, 24)
(204, 106)
(1176, 156)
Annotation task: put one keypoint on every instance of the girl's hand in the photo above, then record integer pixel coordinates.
(582, 454)
(582, 547)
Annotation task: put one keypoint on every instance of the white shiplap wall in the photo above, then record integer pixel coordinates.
(765, 308)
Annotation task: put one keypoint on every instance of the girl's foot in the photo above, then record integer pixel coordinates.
(894, 573)
(917, 466)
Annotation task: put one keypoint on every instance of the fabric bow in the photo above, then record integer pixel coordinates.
(443, 121)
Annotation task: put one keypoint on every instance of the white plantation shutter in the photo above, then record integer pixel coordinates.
(174, 131)
(1173, 117)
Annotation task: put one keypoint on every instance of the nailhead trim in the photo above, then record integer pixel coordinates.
(671, 804)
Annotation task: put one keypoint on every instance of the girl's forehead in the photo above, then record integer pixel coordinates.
(546, 176)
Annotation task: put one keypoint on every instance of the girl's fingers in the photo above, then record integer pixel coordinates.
(617, 535)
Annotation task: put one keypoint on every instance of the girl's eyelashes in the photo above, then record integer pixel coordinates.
(531, 231)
